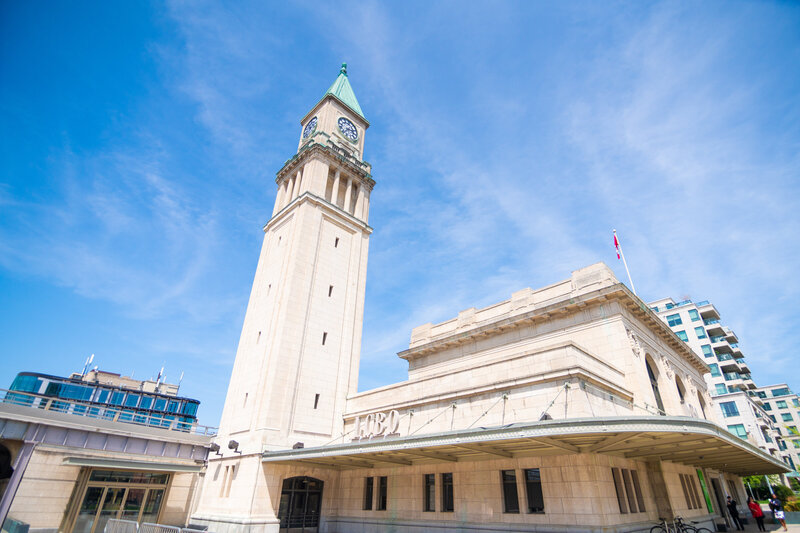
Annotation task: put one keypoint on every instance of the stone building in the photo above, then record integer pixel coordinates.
(567, 408)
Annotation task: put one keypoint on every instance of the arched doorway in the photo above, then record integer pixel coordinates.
(301, 500)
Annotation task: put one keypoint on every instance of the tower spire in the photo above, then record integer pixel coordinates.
(343, 92)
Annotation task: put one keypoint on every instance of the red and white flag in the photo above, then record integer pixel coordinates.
(616, 245)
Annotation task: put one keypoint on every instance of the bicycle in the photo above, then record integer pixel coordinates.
(678, 526)
(687, 528)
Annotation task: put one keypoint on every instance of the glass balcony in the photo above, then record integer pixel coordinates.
(711, 321)
(724, 357)
(718, 338)
(731, 376)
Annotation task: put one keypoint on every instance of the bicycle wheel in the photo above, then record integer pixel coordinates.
(658, 529)
(703, 530)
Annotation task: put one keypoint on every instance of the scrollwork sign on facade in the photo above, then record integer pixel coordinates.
(377, 425)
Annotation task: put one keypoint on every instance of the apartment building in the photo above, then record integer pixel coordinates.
(782, 406)
(738, 402)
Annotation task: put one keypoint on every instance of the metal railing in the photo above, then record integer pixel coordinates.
(113, 413)
(131, 526)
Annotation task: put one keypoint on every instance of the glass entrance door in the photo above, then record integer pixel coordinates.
(135, 496)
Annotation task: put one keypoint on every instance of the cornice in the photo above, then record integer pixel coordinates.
(567, 306)
(325, 205)
(331, 153)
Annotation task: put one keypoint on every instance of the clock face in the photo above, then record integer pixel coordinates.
(310, 127)
(348, 129)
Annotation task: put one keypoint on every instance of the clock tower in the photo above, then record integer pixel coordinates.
(298, 354)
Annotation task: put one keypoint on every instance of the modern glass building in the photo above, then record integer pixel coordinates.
(107, 396)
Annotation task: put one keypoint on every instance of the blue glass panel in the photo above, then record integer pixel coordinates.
(132, 400)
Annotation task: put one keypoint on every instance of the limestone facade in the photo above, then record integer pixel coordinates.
(568, 408)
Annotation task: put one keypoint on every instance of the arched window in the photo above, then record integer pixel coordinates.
(654, 384)
(702, 404)
(681, 389)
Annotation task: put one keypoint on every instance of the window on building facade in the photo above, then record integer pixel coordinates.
(795, 402)
(510, 497)
(707, 350)
(674, 320)
(729, 409)
(783, 391)
(694, 315)
(700, 332)
(533, 490)
(767, 406)
(682, 336)
(690, 492)
(738, 430)
(681, 389)
(761, 394)
(429, 496)
(715, 370)
(383, 488)
(772, 417)
(628, 489)
(368, 483)
(721, 388)
(787, 417)
(654, 385)
(781, 404)
(447, 493)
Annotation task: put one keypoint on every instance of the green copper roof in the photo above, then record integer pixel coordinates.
(342, 90)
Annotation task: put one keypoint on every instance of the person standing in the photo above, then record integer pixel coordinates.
(734, 512)
(758, 514)
(777, 510)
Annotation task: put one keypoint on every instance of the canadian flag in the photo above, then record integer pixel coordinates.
(616, 245)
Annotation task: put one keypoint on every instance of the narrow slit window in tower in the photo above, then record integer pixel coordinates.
(324, 337)
(316, 400)
(330, 290)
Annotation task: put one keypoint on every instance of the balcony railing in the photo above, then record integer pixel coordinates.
(113, 413)
(718, 338)
(724, 357)
(711, 321)
(731, 376)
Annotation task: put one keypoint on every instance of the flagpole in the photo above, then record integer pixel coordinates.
(622, 255)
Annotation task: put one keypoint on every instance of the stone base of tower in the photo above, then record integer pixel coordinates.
(232, 524)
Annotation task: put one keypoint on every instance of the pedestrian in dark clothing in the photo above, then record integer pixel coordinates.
(777, 510)
(758, 514)
(734, 512)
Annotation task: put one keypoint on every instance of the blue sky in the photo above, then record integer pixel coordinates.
(139, 144)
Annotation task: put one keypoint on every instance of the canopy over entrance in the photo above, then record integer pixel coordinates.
(685, 440)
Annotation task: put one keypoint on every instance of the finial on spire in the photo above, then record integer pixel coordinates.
(343, 70)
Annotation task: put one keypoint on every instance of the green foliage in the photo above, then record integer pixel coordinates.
(792, 505)
(754, 481)
(782, 492)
